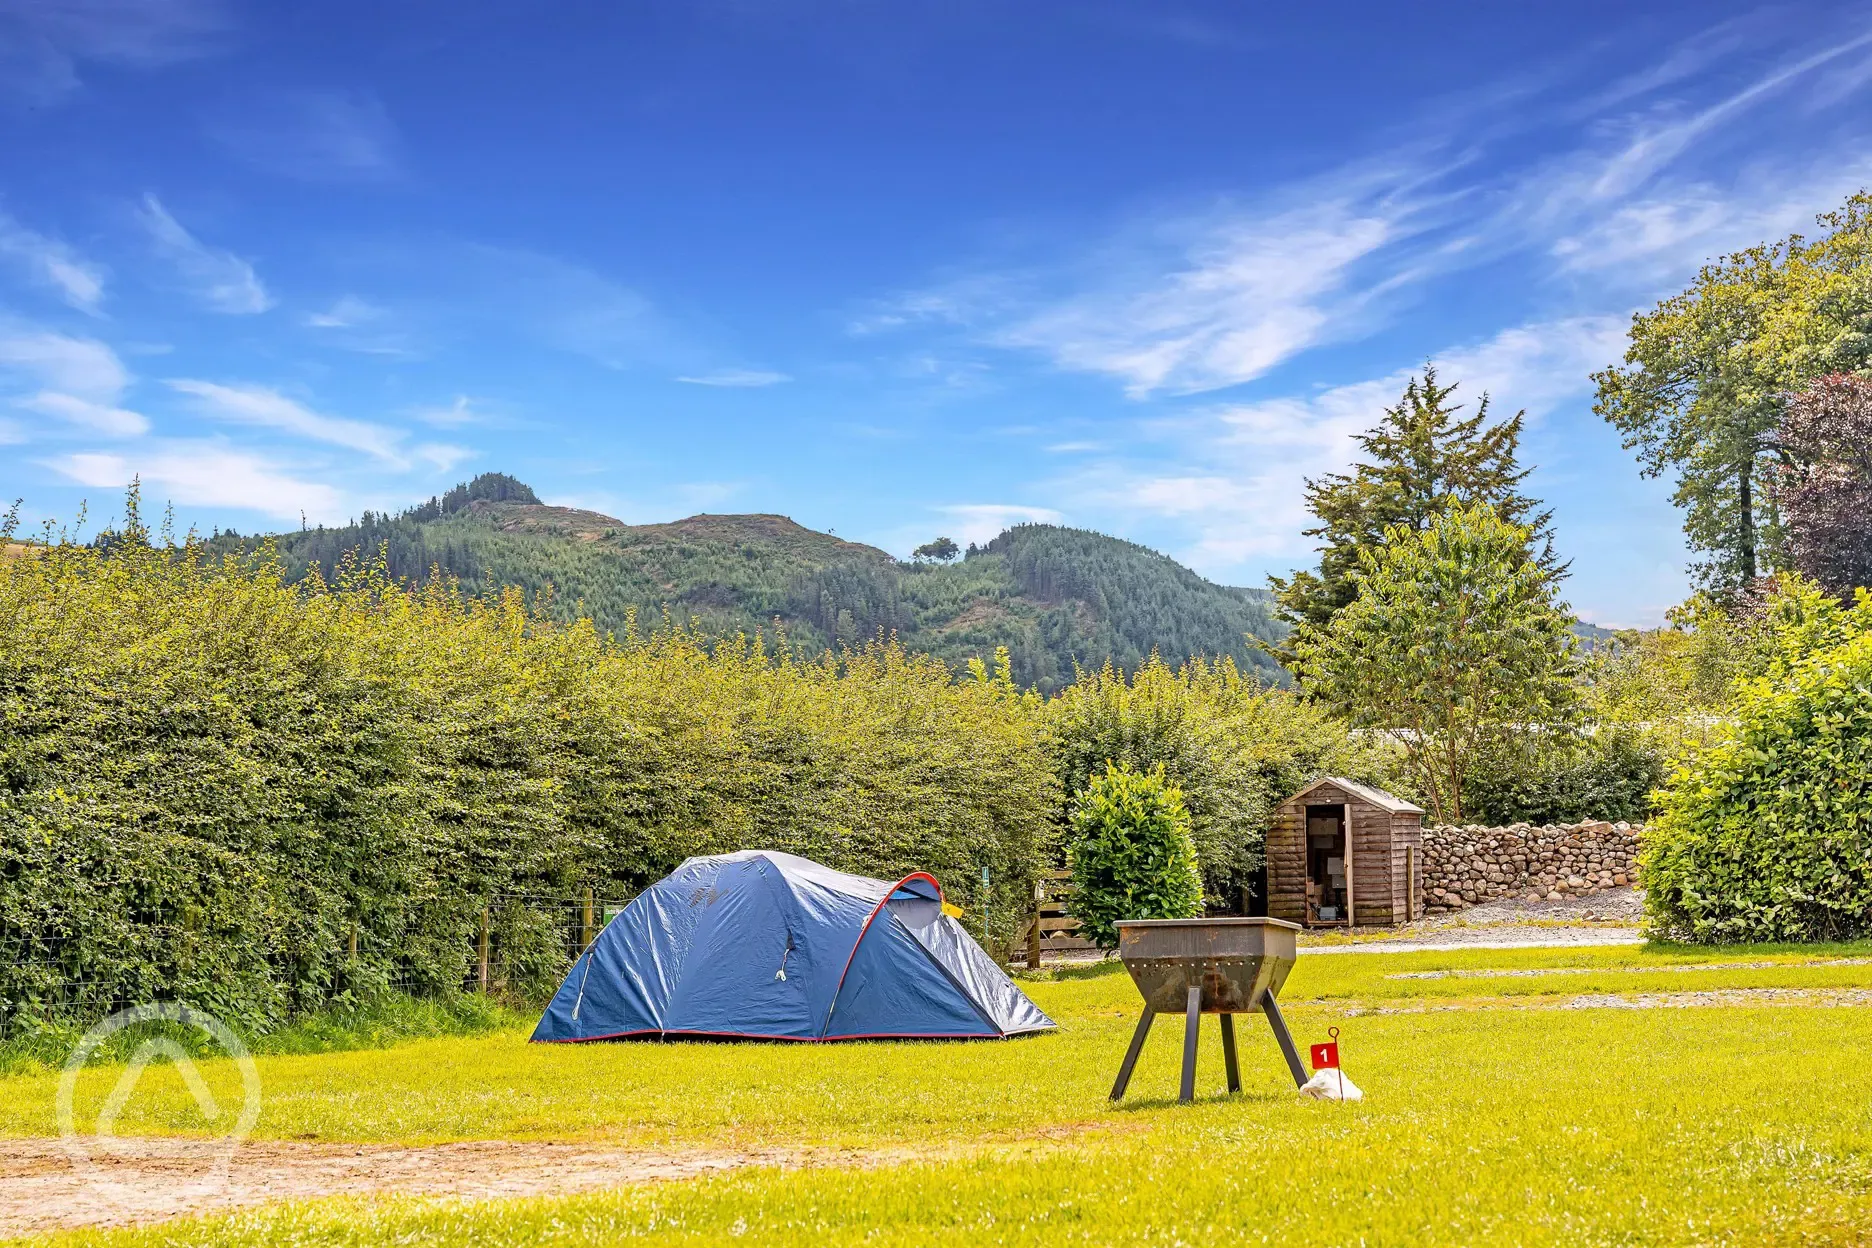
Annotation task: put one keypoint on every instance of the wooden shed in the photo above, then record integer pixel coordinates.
(1341, 854)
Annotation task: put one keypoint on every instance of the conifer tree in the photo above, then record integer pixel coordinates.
(1422, 457)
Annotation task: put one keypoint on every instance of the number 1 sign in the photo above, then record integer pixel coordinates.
(1326, 1056)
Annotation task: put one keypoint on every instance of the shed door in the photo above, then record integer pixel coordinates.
(1327, 885)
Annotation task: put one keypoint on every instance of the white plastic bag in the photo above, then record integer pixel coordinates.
(1331, 1085)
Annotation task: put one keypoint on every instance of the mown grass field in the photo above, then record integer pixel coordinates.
(1494, 1115)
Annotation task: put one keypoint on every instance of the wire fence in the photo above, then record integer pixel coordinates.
(520, 946)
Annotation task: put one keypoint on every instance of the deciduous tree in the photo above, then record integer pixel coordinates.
(1454, 642)
(1708, 373)
(1823, 483)
(942, 550)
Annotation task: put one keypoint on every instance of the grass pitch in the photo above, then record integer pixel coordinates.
(1495, 1114)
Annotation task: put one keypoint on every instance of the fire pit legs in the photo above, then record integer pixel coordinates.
(1131, 1054)
(1192, 1020)
(1288, 1051)
(1192, 1028)
(1228, 1052)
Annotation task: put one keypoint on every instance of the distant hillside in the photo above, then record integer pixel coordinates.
(1593, 636)
(1052, 595)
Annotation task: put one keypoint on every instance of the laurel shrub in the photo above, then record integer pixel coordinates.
(1131, 853)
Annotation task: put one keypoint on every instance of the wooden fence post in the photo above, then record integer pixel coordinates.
(585, 937)
(1033, 933)
(486, 924)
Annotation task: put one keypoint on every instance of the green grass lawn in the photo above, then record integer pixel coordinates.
(1495, 1121)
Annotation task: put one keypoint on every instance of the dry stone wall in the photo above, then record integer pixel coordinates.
(1464, 866)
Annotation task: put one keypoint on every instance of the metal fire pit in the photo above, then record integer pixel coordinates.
(1194, 967)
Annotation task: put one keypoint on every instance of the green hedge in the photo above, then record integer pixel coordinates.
(215, 785)
(1766, 834)
(1560, 778)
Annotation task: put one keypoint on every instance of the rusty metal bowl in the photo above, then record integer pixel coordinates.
(1194, 967)
(1235, 961)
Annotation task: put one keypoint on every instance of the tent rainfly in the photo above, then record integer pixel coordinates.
(770, 946)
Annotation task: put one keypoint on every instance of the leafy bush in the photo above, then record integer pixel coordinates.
(1232, 747)
(1764, 834)
(1562, 778)
(266, 798)
(1132, 856)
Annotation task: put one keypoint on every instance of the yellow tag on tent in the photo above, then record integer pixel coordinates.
(954, 912)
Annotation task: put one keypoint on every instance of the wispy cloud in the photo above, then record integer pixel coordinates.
(1654, 192)
(442, 456)
(979, 523)
(457, 414)
(1243, 294)
(1654, 148)
(82, 366)
(1192, 302)
(269, 409)
(737, 378)
(265, 408)
(78, 382)
(347, 312)
(313, 136)
(223, 281)
(207, 474)
(354, 324)
(1641, 187)
(569, 307)
(1232, 477)
(49, 262)
(112, 422)
(43, 42)
(450, 292)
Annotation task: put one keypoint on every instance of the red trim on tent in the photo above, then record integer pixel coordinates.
(918, 1035)
(869, 920)
(914, 875)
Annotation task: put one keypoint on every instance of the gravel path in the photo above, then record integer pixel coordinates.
(1608, 918)
(1722, 998)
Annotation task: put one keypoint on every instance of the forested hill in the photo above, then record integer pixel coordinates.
(1052, 595)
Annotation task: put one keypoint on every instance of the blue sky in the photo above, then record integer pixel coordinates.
(893, 269)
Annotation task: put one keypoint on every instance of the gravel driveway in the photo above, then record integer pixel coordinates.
(1608, 918)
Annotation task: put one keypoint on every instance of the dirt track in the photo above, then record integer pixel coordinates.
(149, 1179)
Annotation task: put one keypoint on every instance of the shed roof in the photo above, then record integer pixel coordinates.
(1377, 797)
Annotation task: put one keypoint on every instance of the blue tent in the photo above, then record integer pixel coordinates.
(764, 945)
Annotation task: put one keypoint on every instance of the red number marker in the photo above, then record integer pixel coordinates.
(1326, 1057)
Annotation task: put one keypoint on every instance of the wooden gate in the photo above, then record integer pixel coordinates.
(1049, 929)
